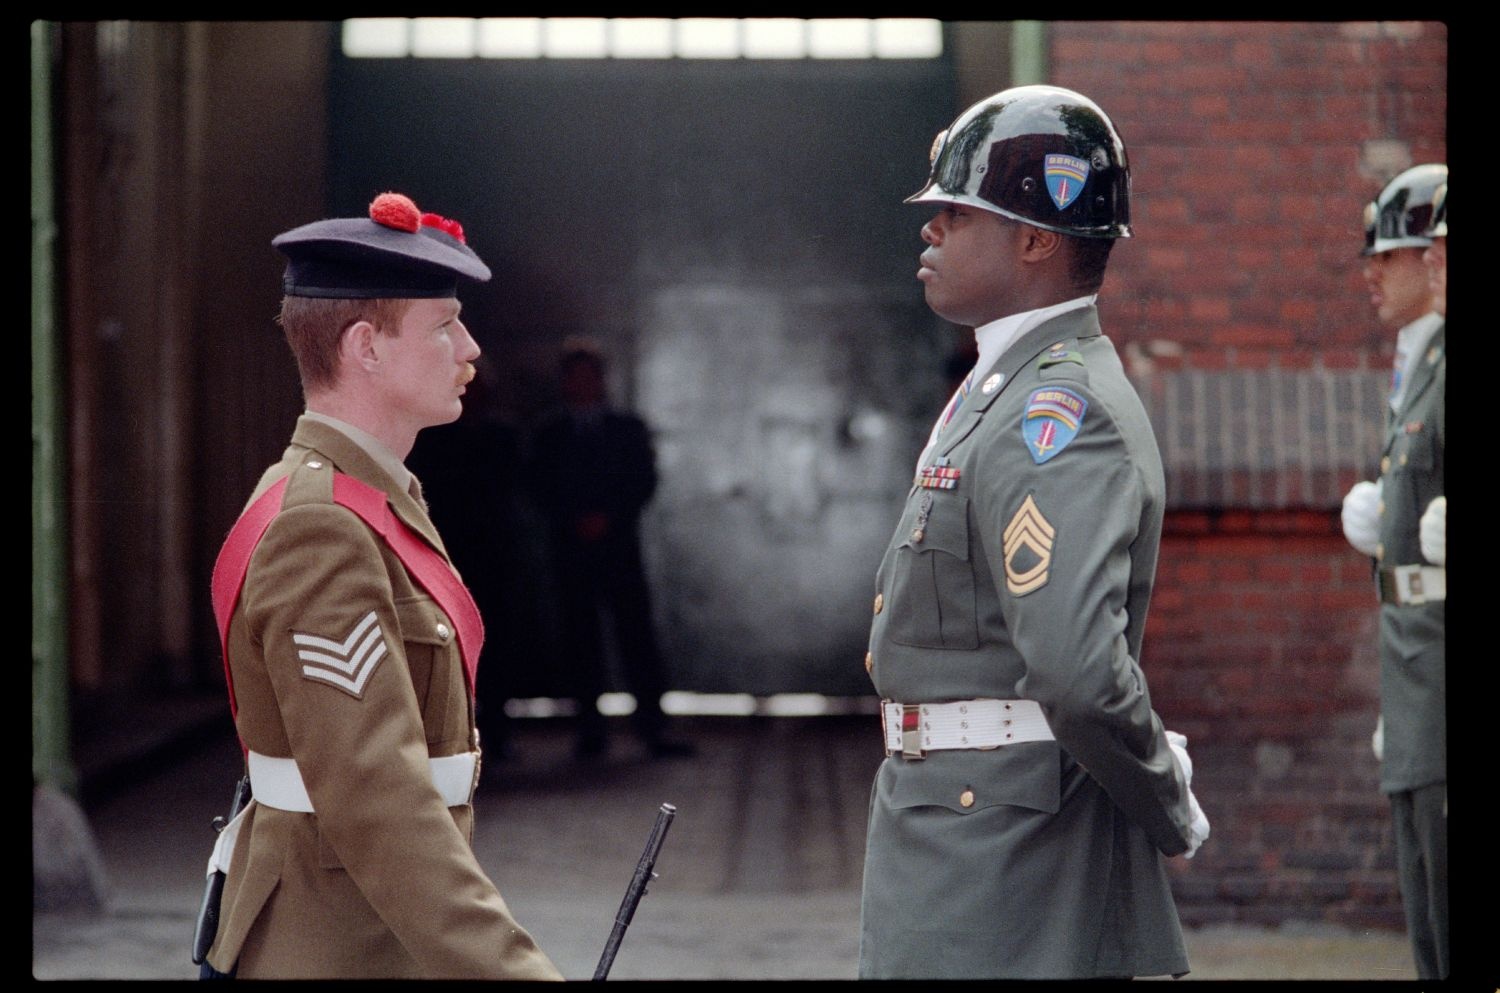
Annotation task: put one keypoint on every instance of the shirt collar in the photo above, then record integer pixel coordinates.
(996, 336)
(1414, 337)
(383, 456)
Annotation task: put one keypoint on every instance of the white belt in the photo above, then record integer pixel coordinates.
(278, 782)
(1409, 585)
(914, 729)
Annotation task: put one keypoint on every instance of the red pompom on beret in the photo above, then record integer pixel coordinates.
(396, 252)
(396, 210)
(444, 224)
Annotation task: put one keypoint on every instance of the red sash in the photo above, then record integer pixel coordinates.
(422, 562)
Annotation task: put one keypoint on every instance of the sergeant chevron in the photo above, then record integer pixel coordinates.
(354, 658)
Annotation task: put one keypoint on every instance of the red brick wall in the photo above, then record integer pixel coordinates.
(1260, 647)
(1254, 147)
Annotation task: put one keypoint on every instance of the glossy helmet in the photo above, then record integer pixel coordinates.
(1400, 215)
(1439, 226)
(1039, 154)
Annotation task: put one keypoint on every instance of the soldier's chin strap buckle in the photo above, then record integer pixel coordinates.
(911, 732)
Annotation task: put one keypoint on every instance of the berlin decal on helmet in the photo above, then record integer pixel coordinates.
(1044, 155)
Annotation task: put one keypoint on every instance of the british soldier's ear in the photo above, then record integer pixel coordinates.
(357, 344)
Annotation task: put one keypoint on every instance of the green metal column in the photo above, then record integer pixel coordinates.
(1028, 52)
(51, 763)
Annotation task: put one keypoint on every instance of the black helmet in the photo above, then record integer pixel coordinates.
(1400, 215)
(1039, 154)
(1439, 226)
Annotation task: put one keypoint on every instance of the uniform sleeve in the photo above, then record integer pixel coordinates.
(1059, 537)
(319, 601)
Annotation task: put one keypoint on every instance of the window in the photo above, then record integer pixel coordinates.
(641, 38)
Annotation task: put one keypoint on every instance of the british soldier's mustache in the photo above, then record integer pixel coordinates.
(467, 376)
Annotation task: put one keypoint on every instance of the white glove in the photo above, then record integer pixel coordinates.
(1377, 740)
(1197, 827)
(1197, 821)
(1178, 744)
(1361, 516)
(1433, 529)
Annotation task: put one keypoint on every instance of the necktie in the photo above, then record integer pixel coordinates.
(948, 412)
(958, 399)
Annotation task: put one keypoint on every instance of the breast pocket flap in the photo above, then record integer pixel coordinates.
(422, 622)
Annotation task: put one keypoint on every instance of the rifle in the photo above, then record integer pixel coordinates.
(637, 888)
(208, 914)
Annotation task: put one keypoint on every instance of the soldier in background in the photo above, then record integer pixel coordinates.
(592, 468)
(1383, 519)
(471, 476)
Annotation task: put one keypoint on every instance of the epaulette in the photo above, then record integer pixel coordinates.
(1063, 360)
(310, 480)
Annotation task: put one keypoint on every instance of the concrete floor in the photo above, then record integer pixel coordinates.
(758, 879)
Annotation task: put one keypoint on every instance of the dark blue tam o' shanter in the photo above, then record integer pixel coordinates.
(397, 252)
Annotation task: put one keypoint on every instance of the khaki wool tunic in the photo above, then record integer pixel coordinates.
(381, 881)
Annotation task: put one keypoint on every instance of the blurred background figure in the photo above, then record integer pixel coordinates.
(1381, 519)
(471, 471)
(592, 470)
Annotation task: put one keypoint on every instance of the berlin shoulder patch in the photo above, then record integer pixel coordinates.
(1027, 544)
(346, 664)
(1052, 419)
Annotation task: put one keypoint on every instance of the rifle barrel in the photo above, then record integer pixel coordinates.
(637, 889)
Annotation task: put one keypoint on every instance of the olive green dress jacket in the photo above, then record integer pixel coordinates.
(381, 881)
(1413, 642)
(1029, 579)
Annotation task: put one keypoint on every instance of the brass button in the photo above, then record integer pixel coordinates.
(1380, 508)
(879, 602)
(966, 798)
(443, 632)
(869, 660)
(1403, 458)
(1380, 550)
(1385, 465)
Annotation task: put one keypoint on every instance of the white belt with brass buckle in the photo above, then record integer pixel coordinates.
(1409, 585)
(278, 782)
(914, 729)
